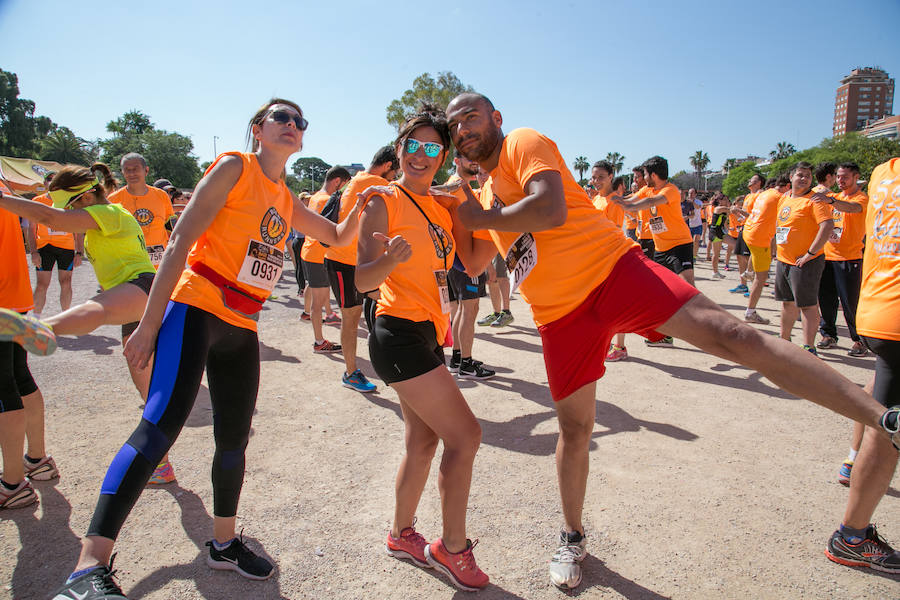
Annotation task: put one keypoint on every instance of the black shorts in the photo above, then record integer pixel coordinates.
(343, 283)
(400, 349)
(15, 377)
(145, 282)
(677, 258)
(887, 370)
(799, 284)
(740, 247)
(463, 287)
(648, 247)
(500, 266)
(315, 274)
(51, 255)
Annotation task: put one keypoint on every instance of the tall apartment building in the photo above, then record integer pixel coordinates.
(865, 94)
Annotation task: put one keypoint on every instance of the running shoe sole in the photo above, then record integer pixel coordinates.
(356, 389)
(28, 332)
(225, 565)
(472, 375)
(400, 554)
(436, 564)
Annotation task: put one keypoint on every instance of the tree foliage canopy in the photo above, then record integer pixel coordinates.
(168, 155)
(21, 132)
(310, 172)
(438, 92)
(868, 153)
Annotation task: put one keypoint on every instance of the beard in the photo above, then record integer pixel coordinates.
(485, 147)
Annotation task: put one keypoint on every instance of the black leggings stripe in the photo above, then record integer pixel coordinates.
(189, 340)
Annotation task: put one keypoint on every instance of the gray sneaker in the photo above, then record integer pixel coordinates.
(565, 566)
(503, 319)
(754, 317)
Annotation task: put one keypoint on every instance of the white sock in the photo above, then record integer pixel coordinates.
(320, 342)
(750, 311)
(852, 455)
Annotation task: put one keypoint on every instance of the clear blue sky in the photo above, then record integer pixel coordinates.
(647, 78)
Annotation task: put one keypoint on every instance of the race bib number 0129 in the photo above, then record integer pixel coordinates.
(262, 265)
(521, 259)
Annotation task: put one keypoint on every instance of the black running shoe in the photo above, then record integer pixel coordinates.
(873, 552)
(474, 369)
(238, 557)
(95, 585)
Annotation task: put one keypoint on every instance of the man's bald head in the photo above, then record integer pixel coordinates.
(472, 97)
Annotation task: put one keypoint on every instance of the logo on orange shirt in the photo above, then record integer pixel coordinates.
(443, 243)
(785, 213)
(144, 216)
(272, 228)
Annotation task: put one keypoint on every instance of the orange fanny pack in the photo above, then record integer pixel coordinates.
(235, 298)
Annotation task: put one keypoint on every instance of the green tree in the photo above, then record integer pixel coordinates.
(438, 92)
(65, 147)
(581, 165)
(310, 172)
(868, 153)
(699, 160)
(782, 150)
(735, 182)
(21, 131)
(616, 160)
(169, 155)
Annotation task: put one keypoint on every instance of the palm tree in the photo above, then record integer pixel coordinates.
(581, 165)
(65, 147)
(616, 160)
(729, 165)
(699, 160)
(782, 150)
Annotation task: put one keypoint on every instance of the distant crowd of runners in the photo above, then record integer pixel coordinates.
(187, 278)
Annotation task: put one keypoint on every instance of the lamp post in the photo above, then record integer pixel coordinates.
(215, 154)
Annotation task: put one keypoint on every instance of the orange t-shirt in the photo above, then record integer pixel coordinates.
(846, 242)
(797, 225)
(43, 235)
(612, 211)
(665, 221)
(15, 286)
(244, 243)
(759, 228)
(152, 211)
(878, 313)
(735, 222)
(573, 258)
(312, 251)
(359, 183)
(643, 216)
(631, 220)
(411, 290)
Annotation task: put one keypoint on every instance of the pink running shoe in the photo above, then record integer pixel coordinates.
(410, 545)
(162, 474)
(459, 567)
(616, 353)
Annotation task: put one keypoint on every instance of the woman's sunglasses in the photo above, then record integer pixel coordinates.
(78, 197)
(284, 117)
(432, 149)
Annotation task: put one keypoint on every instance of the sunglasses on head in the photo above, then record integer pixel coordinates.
(284, 117)
(431, 149)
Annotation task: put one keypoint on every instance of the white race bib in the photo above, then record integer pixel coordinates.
(155, 253)
(836, 235)
(657, 225)
(781, 234)
(440, 277)
(262, 266)
(521, 259)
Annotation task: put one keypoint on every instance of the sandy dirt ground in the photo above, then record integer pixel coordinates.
(706, 480)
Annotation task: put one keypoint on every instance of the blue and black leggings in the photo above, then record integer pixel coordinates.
(190, 339)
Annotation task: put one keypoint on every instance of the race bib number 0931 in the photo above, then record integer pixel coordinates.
(262, 265)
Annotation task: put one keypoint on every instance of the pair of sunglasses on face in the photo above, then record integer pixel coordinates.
(284, 117)
(432, 149)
